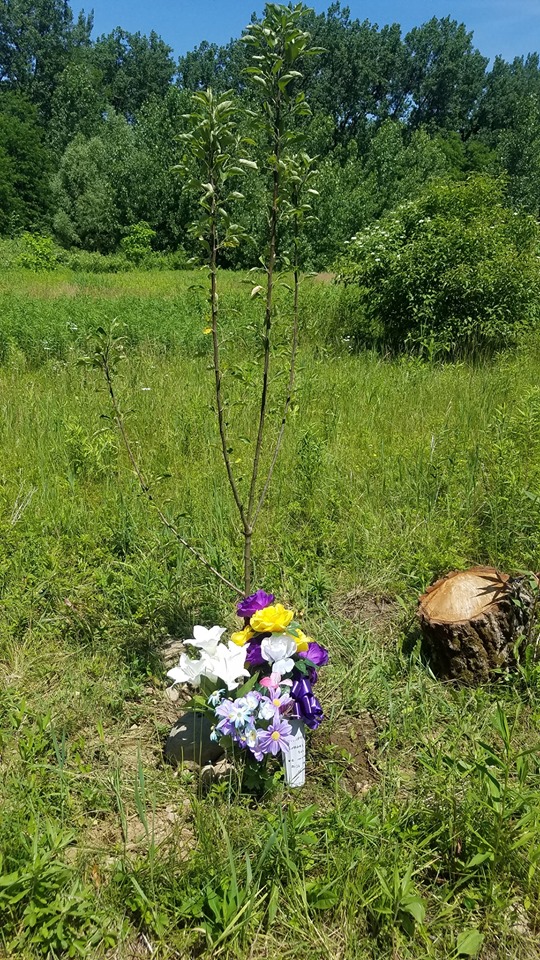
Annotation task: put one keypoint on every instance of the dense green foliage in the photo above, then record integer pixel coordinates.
(455, 271)
(25, 166)
(88, 128)
(417, 833)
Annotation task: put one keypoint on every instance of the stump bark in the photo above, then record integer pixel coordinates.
(470, 621)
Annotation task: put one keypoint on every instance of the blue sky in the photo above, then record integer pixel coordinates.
(509, 27)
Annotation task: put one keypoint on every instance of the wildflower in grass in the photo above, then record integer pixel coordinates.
(272, 619)
(277, 737)
(257, 601)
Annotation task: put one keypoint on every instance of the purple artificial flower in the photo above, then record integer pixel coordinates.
(235, 712)
(240, 738)
(226, 728)
(317, 654)
(276, 702)
(257, 601)
(224, 708)
(279, 699)
(254, 746)
(307, 707)
(276, 738)
(254, 657)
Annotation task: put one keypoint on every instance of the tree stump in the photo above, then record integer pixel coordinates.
(471, 620)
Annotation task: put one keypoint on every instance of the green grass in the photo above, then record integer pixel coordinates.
(420, 820)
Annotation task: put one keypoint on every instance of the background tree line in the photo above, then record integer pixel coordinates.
(89, 128)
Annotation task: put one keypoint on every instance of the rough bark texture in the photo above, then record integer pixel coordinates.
(471, 620)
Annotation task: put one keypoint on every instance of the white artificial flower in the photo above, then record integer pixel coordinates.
(252, 699)
(266, 710)
(187, 671)
(206, 640)
(278, 650)
(251, 738)
(228, 663)
(284, 666)
(215, 698)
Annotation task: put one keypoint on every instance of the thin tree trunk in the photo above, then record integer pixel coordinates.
(252, 510)
(290, 387)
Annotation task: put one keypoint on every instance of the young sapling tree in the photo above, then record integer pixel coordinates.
(214, 165)
(276, 45)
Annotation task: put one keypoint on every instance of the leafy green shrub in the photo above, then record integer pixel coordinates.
(45, 907)
(38, 252)
(176, 260)
(9, 253)
(89, 456)
(452, 272)
(137, 243)
(85, 261)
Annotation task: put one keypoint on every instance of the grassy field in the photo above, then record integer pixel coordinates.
(418, 834)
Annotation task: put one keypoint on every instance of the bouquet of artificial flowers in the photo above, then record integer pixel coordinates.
(267, 714)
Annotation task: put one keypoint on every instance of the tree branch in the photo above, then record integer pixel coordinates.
(268, 315)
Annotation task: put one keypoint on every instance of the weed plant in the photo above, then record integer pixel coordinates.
(392, 472)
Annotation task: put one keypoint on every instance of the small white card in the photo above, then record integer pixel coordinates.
(295, 759)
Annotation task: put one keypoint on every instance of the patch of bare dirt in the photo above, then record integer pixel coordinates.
(42, 292)
(171, 650)
(346, 749)
(376, 612)
(168, 825)
(324, 277)
(142, 740)
(142, 948)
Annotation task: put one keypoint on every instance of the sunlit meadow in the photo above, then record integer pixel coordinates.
(417, 833)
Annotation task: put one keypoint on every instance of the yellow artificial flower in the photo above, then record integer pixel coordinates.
(273, 619)
(302, 642)
(242, 636)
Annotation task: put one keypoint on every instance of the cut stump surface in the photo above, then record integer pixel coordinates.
(471, 620)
